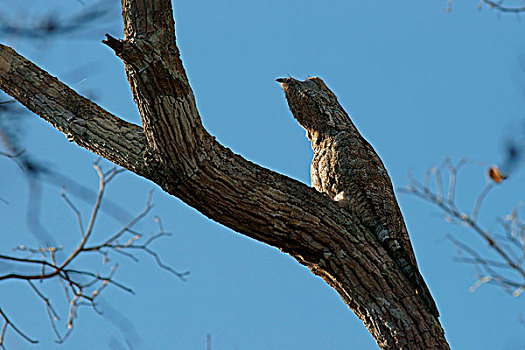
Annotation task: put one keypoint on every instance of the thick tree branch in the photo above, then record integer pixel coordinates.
(81, 120)
(186, 161)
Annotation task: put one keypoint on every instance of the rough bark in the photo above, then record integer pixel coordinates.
(173, 150)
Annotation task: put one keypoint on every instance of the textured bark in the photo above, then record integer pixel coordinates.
(173, 150)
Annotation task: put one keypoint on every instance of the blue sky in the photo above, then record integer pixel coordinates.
(419, 83)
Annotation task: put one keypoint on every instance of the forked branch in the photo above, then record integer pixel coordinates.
(81, 286)
(173, 149)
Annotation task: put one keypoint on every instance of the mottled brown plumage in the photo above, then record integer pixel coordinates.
(346, 167)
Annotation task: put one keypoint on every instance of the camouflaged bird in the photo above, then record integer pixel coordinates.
(346, 167)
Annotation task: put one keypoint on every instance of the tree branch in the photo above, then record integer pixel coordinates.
(186, 161)
(9, 323)
(498, 5)
(80, 119)
(511, 258)
(84, 284)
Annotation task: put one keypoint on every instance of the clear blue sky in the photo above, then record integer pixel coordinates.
(419, 83)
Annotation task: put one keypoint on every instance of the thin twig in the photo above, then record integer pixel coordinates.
(9, 323)
(75, 210)
(498, 243)
(502, 8)
(82, 286)
(96, 207)
(480, 199)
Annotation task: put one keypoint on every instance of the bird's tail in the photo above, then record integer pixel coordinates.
(411, 271)
(417, 281)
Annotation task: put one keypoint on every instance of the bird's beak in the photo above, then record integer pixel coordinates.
(280, 80)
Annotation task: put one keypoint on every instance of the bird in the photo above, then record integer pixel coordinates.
(348, 169)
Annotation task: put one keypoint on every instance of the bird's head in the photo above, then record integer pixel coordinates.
(314, 105)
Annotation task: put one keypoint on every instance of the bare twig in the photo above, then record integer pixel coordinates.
(132, 244)
(75, 210)
(8, 323)
(83, 286)
(500, 6)
(495, 5)
(480, 199)
(102, 186)
(510, 257)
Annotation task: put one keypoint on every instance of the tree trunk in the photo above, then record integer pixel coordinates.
(173, 150)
